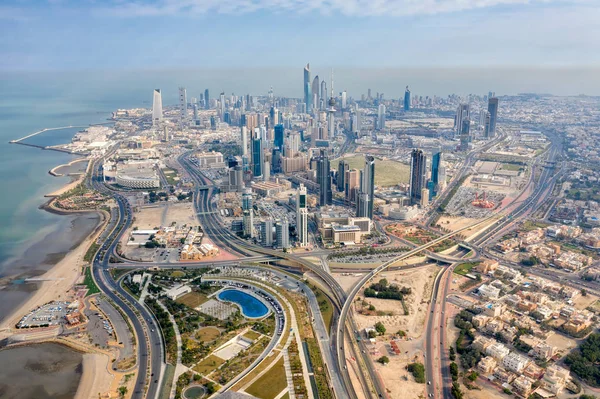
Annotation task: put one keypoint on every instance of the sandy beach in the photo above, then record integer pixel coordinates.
(59, 280)
(95, 378)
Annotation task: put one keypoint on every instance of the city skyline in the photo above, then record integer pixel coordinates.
(66, 35)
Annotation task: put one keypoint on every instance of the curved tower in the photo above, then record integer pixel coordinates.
(157, 114)
(307, 88)
(315, 92)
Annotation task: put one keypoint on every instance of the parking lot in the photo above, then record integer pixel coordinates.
(47, 315)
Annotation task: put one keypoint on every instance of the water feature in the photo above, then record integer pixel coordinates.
(251, 306)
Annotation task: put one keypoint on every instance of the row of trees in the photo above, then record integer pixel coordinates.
(384, 290)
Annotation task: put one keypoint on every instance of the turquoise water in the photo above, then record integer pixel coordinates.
(251, 307)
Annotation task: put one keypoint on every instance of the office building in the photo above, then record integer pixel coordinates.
(222, 105)
(418, 173)
(247, 214)
(206, 100)
(490, 130)
(315, 93)
(182, 104)
(166, 133)
(307, 88)
(343, 167)
(407, 99)
(344, 100)
(302, 216)
(157, 113)
(381, 117)
(351, 185)
(244, 140)
(364, 206)
(436, 160)
(462, 113)
(282, 233)
(324, 179)
(266, 233)
(323, 97)
(258, 156)
(279, 134)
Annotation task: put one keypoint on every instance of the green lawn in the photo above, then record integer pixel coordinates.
(89, 255)
(208, 365)
(253, 335)
(88, 281)
(192, 299)
(465, 268)
(531, 225)
(171, 175)
(271, 383)
(511, 166)
(387, 173)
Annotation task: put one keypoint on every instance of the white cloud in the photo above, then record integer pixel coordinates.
(344, 7)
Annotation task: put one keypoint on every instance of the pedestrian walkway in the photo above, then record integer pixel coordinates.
(288, 374)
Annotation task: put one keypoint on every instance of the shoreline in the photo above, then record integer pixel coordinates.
(60, 278)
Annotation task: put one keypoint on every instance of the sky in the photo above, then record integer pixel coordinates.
(63, 35)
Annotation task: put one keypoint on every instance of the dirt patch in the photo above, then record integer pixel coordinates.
(420, 281)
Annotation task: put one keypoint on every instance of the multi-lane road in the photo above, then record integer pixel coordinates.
(149, 348)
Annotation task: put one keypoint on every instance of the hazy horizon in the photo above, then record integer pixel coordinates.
(287, 81)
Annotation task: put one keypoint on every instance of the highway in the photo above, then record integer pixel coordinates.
(150, 356)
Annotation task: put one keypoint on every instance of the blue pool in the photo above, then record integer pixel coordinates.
(251, 307)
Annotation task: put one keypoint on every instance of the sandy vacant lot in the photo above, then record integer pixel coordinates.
(165, 214)
(347, 280)
(420, 280)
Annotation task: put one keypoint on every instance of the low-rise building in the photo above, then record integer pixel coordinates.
(487, 365)
(515, 362)
(497, 350)
(178, 291)
(522, 385)
(488, 291)
(555, 379)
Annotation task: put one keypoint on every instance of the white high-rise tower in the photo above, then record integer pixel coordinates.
(301, 216)
(157, 114)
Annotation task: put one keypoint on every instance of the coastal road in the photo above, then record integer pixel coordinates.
(149, 348)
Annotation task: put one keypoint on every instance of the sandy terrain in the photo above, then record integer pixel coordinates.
(61, 278)
(347, 282)
(95, 379)
(582, 302)
(487, 392)
(398, 381)
(420, 281)
(164, 214)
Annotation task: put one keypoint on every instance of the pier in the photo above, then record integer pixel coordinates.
(18, 141)
(54, 148)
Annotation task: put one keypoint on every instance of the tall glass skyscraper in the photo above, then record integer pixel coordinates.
(324, 179)
(258, 157)
(436, 160)
(302, 216)
(418, 173)
(490, 130)
(279, 135)
(206, 100)
(364, 206)
(407, 99)
(307, 88)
